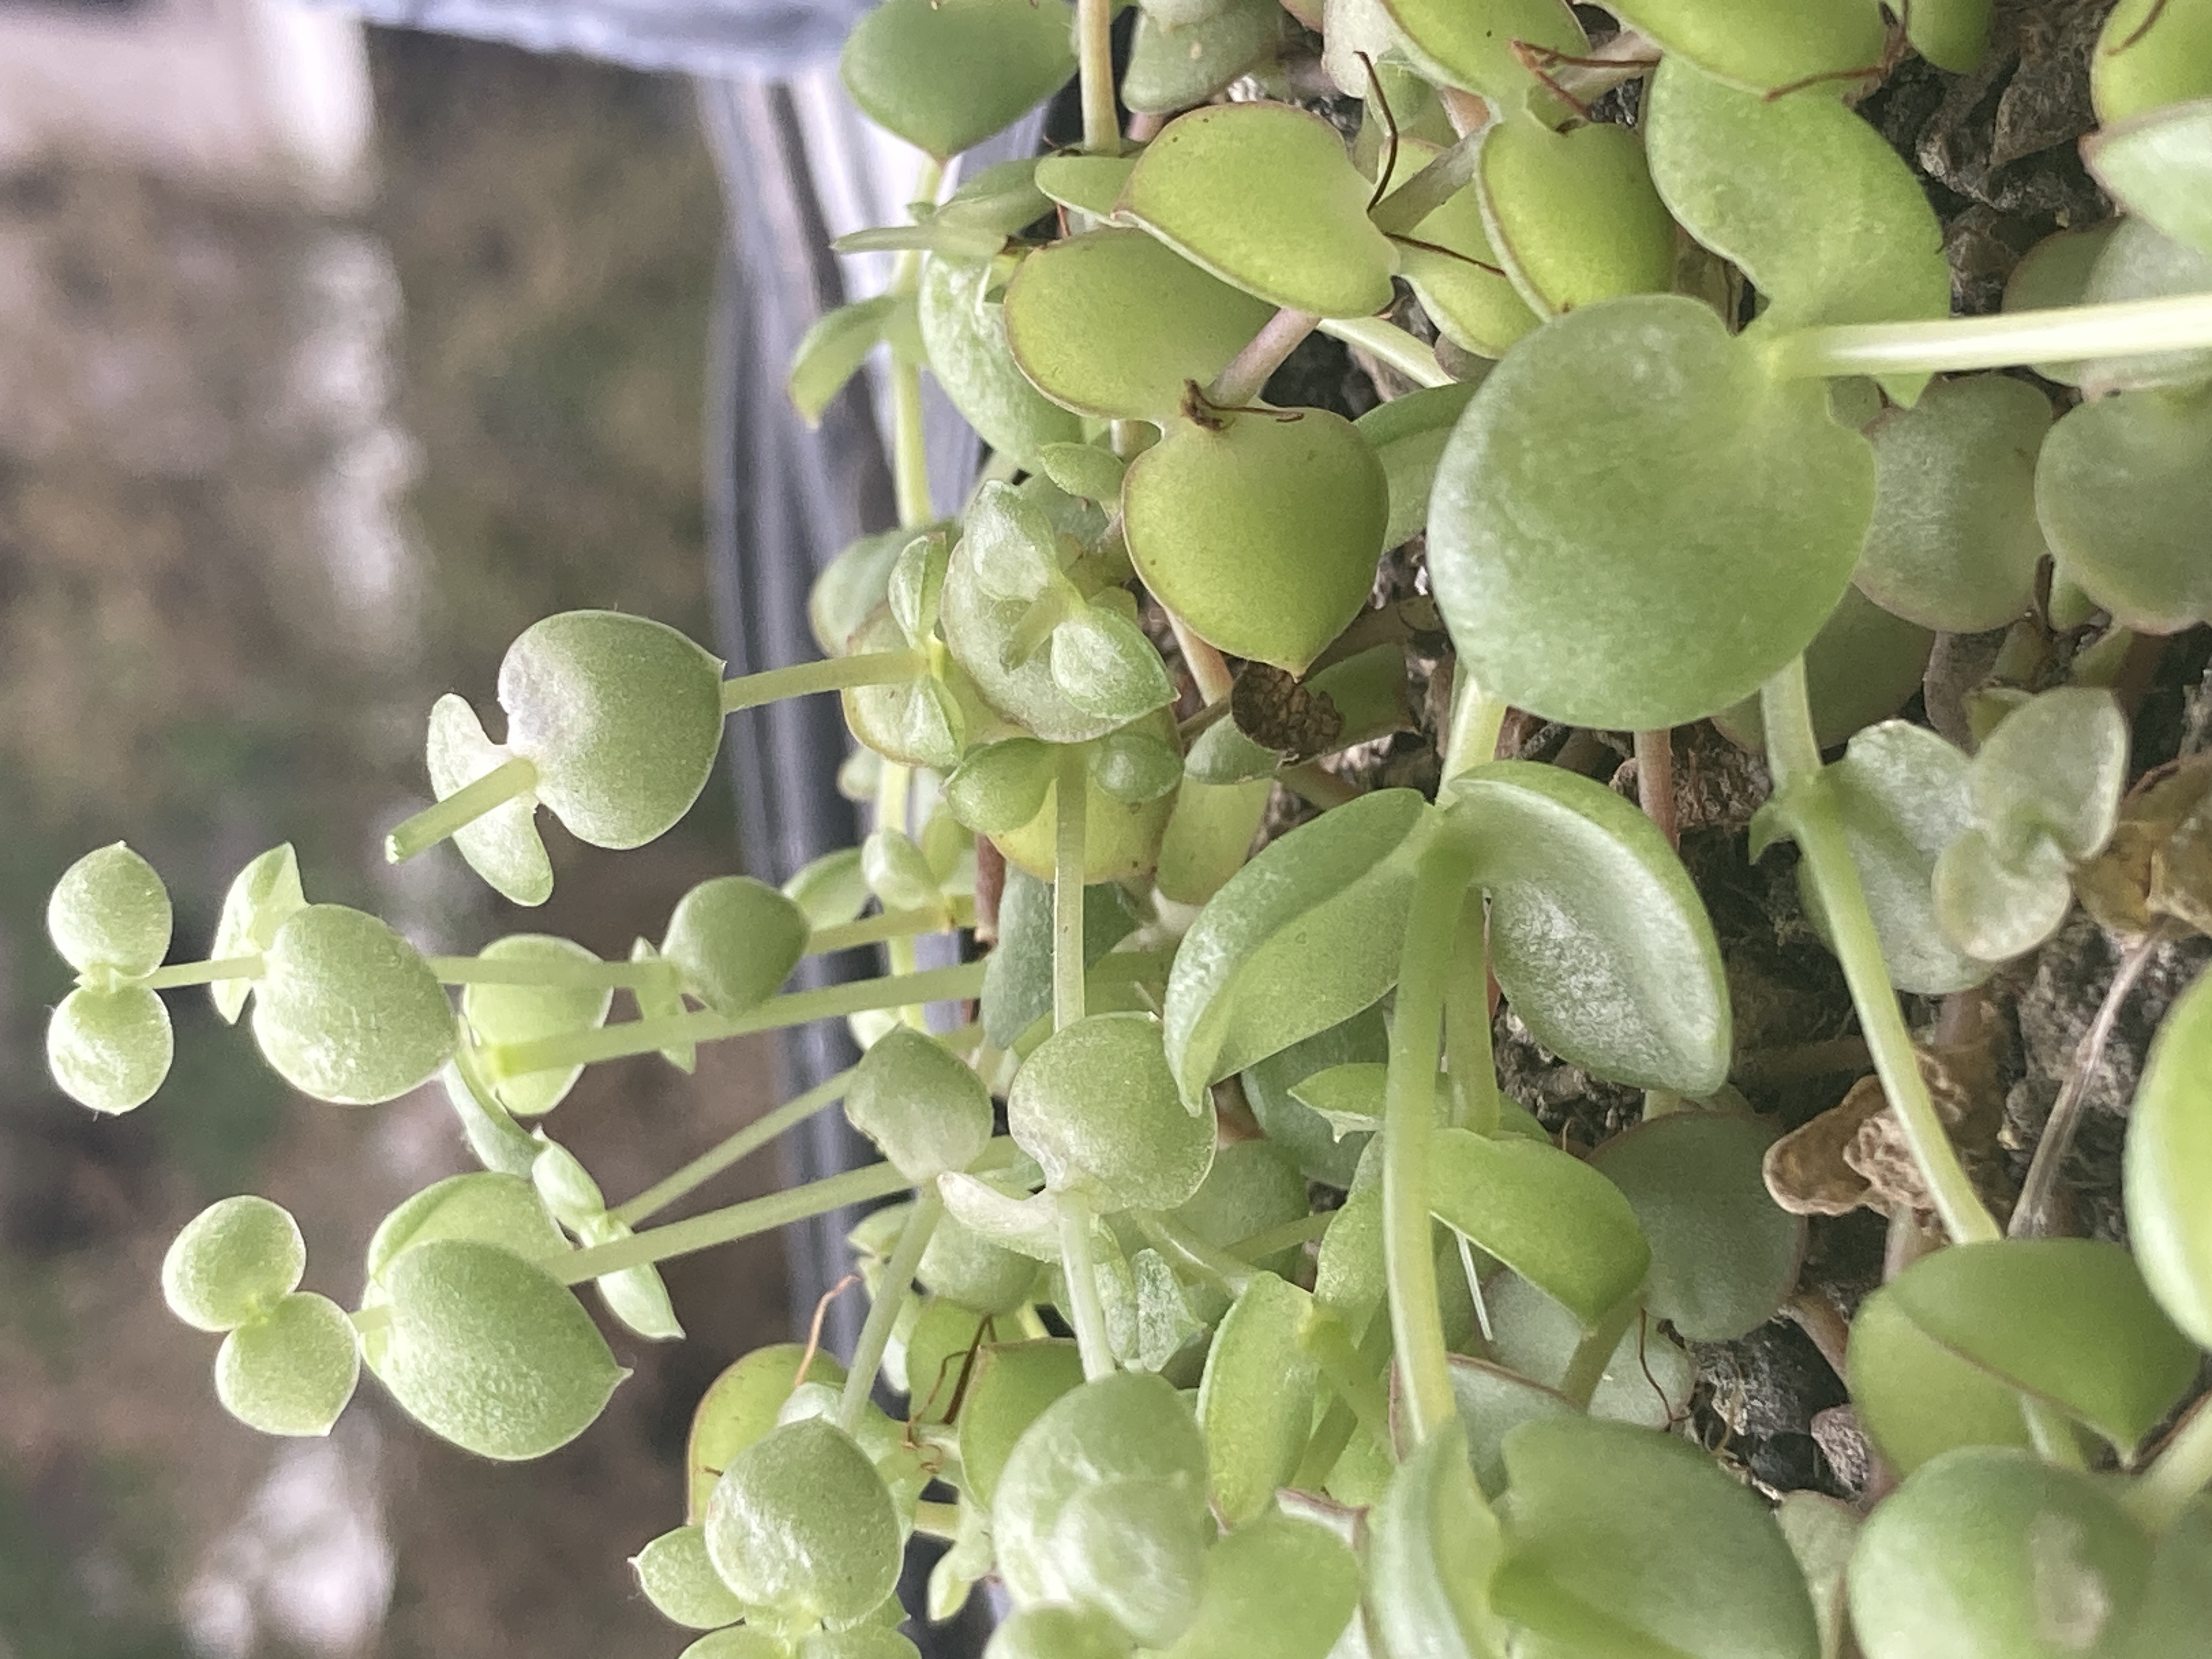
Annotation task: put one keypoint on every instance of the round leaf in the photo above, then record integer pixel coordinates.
(261, 899)
(1096, 1107)
(1915, 1398)
(964, 332)
(1861, 667)
(1409, 435)
(1013, 1384)
(1764, 45)
(291, 1371)
(1646, 1380)
(1255, 1402)
(1119, 838)
(2159, 167)
(1253, 1186)
(1723, 1254)
(1994, 908)
(960, 1266)
(925, 1108)
(520, 1013)
(1596, 934)
(232, 1262)
(2124, 489)
(2169, 1165)
(2053, 771)
(1492, 1402)
(1052, 1630)
(1260, 530)
(1263, 196)
(1477, 49)
(1543, 1212)
(801, 1524)
(348, 1011)
(1270, 1086)
(1637, 551)
(680, 1581)
(1432, 1549)
(1135, 1549)
(503, 845)
(1572, 215)
(110, 910)
(945, 74)
(2139, 262)
(110, 1050)
(1172, 67)
(738, 1408)
(2054, 273)
(735, 940)
(1279, 1586)
(2152, 53)
(490, 1351)
(483, 1206)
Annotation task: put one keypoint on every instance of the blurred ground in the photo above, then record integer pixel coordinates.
(269, 481)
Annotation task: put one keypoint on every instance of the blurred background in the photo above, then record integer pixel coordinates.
(330, 356)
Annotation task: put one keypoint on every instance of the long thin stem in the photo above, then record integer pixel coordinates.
(1586, 1368)
(1262, 1244)
(642, 1036)
(711, 1163)
(1094, 45)
(1354, 1382)
(1409, 1114)
(2029, 1217)
(1410, 356)
(557, 973)
(726, 1226)
(2182, 1469)
(1248, 372)
(1072, 791)
(1443, 178)
(909, 439)
(1468, 1046)
(511, 777)
(202, 973)
(1079, 1268)
(831, 674)
(1209, 670)
(960, 912)
(1477, 718)
(1186, 1249)
(1794, 755)
(891, 1292)
(1655, 782)
(2123, 329)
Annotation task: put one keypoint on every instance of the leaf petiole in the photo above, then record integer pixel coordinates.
(831, 674)
(891, 1294)
(2120, 329)
(202, 973)
(511, 777)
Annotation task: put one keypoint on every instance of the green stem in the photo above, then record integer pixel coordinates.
(1586, 1369)
(1338, 1422)
(1185, 1250)
(1094, 45)
(1793, 755)
(726, 1226)
(1477, 718)
(642, 1036)
(557, 973)
(1409, 1115)
(891, 1292)
(1467, 1047)
(202, 973)
(1409, 355)
(2056, 1442)
(747, 1141)
(510, 778)
(1316, 784)
(1448, 173)
(831, 674)
(2182, 1469)
(1352, 1379)
(1248, 372)
(1072, 790)
(910, 441)
(937, 1520)
(2123, 329)
(892, 925)
(1261, 1245)
(1079, 1268)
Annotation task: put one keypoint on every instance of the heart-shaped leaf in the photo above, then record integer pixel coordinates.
(1448, 259)
(945, 74)
(1480, 50)
(1543, 1212)
(1596, 934)
(483, 1207)
(1173, 66)
(2067, 1319)
(2159, 167)
(2123, 488)
(291, 1371)
(680, 1581)
(1646, 1380)
(1408, 435)
(232, 1262)
(1861, 667)
(1637, 551)
(851, 587)
(1954, 540)
(964, 332)
(1247, 981)
(922, 721)
(801, 1525)
(519, 1013)
(1573, 215)
(261, 899)
(110, 910)
(1121, 837)
(1723, 1253)
(110, 1050)
(924, 1108)
(2169, 1154)
(1263, 196)
(1135, 766)
(1624, 1541)
(1261, 530)
(1113, 323)
(2053, 771)
(1281, 1586)
(1988, 1551)
(1255, 1402)
(2152, 53)
(739, 1406)
(1915, 1398)
(1995, 907)
(347, 1011)
(1766, 46)
(1096, 1107)
(734, 940)
(1803, 195)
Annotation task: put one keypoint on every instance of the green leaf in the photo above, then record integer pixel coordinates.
(924, 1107)
(1861, 667)
(1109, 669)
(2139, 262)
(1647, 1380)
(1573, 215)
(832, 348)
(1433, 1547)
(2053, 771)
(1995, 908)
(659, 1001)
(1096, 1107)
(1174, 66)
(1765, 45)
(232, 1262)
(832, 890)
(520, 1013)
(1952, 34)
(1803, 195)
(1640, 1537)
(1543, 1212)
(1273, 1084)
(2070, 1319)
(636, 1297)
(1263, 196)
(1608, 551)
(1114, 323)
(1821, 1531)
(1013, 1384)
(2123, 488)
(1135, 1549)
(110, 910)
(1723, 1254)
(2152, 53)
(1052, 1630)
(851, 587)
(680, 1581)
(483, 1207)
(1253, 1186)
(1987, 1551)
(261, 899)
(945, 74)
(999, 787)
(347, 1011)
(738, 1408)
(1255, 1402)
(1954, 540)
(1261, 530)
(2169, 1163)
(801, 1525)
(292, 1370)
(503, 845)
(1248, 980)
(898, 873)
(1915, 1398)
(1596, 934)
(1089, 184)
(1018, 974)
(964, 332)
(2053, 274)
(1090, 471)
(959, 1265)
(1208, 833)
(1134, 767)
(1279, 1586)
(490, 1351)
(739, 1642)
(923, 722)
(1491, 1403)
(1476, 48)
(1408, 434)
(110, 1050)
(2159, 167)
